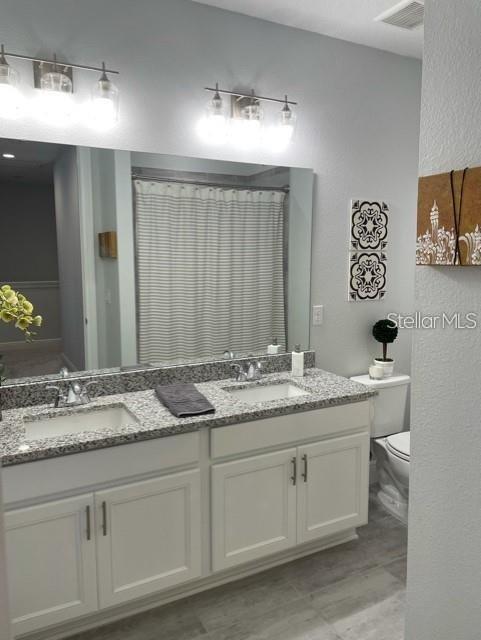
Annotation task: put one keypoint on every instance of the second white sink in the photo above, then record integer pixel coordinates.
(97, 419)
(268, 392)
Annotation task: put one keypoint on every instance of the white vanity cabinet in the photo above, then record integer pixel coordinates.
(131, 541)
(253, 508)
(333, 486)
(164, 518)
(51, 562)
(148, 536)
(270, 502)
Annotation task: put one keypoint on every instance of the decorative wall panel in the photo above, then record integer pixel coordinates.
(367, 251)
(449, 219)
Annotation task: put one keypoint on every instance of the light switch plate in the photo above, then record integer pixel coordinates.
(317, 315)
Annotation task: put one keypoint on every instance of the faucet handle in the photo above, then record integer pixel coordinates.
(240, 374)
(60, 395)
(92, 383)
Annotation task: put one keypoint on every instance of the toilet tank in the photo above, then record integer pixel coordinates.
(390, 405)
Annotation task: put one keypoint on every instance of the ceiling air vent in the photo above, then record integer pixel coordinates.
(408, 14)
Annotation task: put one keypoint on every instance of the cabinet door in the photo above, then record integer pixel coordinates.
(253, 508)
(149, 536)
(333, 486)
(51, 563)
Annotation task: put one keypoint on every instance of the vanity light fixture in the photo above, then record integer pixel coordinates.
(213, 127)
(10, 99)
(104, 105)
(55, 101)
(286, 122)
(247, 118)
(246, 126)
(8, 156)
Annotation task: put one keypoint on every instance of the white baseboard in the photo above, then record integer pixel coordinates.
(128, 609)
(48, 344)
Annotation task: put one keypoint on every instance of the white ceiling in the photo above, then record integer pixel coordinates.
(351, 20)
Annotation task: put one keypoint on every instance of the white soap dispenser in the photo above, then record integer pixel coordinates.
(297, 362)
(273, 348)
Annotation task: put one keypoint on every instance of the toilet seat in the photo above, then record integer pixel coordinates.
(399, 444)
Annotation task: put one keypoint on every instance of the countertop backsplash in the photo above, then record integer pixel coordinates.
(33, 392)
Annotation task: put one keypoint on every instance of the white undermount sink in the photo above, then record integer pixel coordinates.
(110, 417)
(268, 392)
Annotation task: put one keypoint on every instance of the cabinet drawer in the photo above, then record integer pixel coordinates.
(281, 430)
(36, 479)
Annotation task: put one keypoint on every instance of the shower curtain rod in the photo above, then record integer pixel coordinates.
(142, 176)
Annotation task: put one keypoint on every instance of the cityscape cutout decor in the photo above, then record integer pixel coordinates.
(449, 219)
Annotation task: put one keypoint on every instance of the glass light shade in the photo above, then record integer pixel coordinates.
(10, 98)
(247, 130)
(214, 126)
(104, 105)
(55, 104)
(282, 134)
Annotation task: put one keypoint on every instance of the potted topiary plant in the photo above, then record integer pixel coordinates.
(385, 331)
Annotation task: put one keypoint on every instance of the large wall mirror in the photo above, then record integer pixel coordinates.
(136, 259)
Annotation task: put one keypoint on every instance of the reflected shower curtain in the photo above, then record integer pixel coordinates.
(210, 273)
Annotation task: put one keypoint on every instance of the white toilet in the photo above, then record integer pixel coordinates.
(390, 441)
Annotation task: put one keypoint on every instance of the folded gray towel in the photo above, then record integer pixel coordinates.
(183, 400)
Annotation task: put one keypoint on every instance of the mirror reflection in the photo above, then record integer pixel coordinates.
(120, 259)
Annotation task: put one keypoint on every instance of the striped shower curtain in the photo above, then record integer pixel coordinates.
(210, 272)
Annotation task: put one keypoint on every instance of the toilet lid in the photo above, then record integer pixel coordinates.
(400, 443)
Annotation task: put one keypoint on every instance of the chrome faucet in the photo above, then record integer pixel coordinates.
(239, 373)
(76, 394)
(252, 371)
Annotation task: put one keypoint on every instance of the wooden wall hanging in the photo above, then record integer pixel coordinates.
(108, 244)
(449, 219)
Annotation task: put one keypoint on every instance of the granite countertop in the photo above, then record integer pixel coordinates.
(155, 421)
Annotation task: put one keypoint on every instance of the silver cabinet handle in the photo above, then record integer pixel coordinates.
(89, 526)
(304, 473)
(294, 470)
(104, 518)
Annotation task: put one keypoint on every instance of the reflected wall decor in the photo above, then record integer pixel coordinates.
(367, 250)
(449, 219)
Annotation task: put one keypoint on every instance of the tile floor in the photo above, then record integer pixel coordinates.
(351, 592)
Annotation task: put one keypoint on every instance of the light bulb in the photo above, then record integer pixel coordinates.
(55, 104)
(10, 98)
(247, 129)
(213, 127)
(281, 135)
(103, 111)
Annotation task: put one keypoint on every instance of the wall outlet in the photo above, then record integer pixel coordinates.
(317, 315)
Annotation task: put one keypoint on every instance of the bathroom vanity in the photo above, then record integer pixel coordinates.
(110, 519)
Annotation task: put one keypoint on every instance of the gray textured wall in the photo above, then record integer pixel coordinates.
(444, 573)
